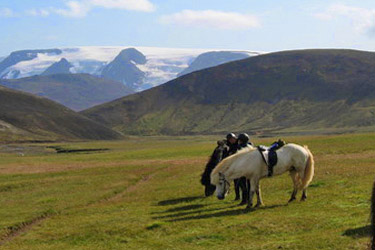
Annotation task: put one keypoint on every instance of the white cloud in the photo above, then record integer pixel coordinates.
(212, 19)
(40, 12)
(363, 20)
(138, 5)
(6, 12)
(74, 9)
(78, 9)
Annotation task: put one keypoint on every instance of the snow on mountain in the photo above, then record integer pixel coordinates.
(162, 65)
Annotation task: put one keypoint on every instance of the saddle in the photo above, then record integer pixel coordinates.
(269, 155)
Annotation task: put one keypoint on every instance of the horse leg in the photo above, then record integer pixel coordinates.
(304, 191)
(245, 194)
(293, 175)
(248, 187)
(259, 196)
(253, 185)
(304, 195)
(237, 189)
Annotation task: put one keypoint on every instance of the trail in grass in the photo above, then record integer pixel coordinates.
(24, 227)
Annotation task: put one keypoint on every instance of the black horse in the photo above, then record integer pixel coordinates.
(218, 154)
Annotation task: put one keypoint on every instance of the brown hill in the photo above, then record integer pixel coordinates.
(76, 91)
(289, 91)
(24, 116)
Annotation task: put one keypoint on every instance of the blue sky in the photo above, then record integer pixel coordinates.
(237, 24)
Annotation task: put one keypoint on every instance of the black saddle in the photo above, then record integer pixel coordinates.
(270, 158)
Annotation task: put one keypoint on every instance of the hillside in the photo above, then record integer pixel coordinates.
(24, 116)
(76, 91)
(291, 91)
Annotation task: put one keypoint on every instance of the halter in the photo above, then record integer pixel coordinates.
(222, 178)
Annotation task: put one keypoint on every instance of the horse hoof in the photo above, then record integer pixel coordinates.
(259, 205)
(291, 200)
(242, 203)
(249, 207)
(303, 199)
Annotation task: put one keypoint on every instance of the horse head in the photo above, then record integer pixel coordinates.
(222, 188)
(215, 158)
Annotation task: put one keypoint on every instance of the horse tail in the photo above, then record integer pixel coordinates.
(309, 170)
(373, 217)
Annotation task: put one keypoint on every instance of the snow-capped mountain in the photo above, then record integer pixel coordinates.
(60, 67)
(124, 68)
(160, 64)
(212, 59)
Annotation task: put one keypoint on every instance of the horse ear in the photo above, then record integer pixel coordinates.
(220, 143)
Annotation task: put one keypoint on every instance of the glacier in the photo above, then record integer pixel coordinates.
(163, 64)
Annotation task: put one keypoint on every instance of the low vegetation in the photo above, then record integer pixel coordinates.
(75, 91)
(26, 117)
(144, 193)
(301, 91)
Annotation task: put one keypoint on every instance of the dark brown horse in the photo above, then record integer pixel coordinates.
(215, 158)
(220, 152)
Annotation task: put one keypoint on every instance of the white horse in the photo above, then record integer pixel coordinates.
(248, 162)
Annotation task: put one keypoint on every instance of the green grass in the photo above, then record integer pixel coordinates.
(144, 193)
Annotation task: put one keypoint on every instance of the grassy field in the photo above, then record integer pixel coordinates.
(144, 193)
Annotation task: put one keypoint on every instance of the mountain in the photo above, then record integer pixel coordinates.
(60, 67)
(152, 66)
(22, 56)
(123, 68)
(211, 59)
(289, 91)
(24, 115)
(76, 91)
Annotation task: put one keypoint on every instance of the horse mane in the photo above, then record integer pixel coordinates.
(211, 164)
(205, 178)
(226, 163)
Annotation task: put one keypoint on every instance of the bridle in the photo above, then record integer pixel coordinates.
(226, 183)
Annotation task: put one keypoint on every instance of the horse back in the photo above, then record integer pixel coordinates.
(293, 154)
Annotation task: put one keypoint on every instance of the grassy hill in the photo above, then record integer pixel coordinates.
(76, 91)
(144, 193)
(287, 91)
(27, 117)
